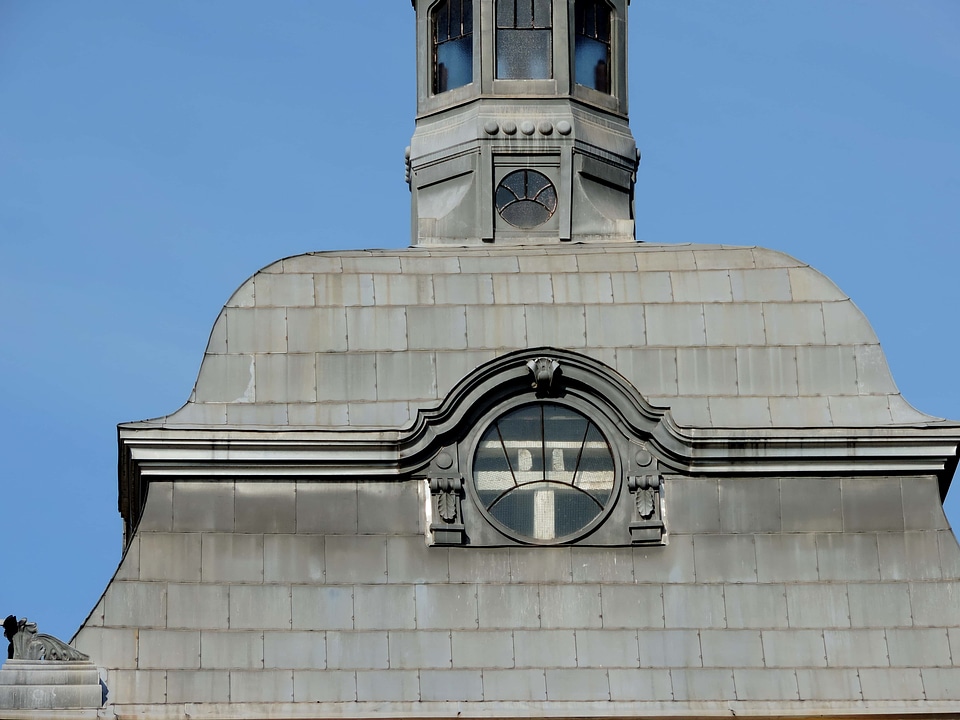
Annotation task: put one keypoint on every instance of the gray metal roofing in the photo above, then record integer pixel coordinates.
(724, 336)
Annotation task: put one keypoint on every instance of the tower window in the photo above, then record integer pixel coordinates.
(524, 39)
(452, 26)
(592, 51)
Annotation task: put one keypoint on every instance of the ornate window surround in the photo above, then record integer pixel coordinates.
(633, 513)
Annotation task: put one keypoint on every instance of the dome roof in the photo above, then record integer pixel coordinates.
(723, 336)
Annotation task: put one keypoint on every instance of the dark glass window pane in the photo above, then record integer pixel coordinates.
(592, 64)
(455, 61)
(524, 14)
(442, 22)
(506, 13)
(543, 13)
(524, 54)
(452, 45)
(592, 48)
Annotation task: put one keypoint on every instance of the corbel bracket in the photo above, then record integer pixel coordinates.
(646, 526)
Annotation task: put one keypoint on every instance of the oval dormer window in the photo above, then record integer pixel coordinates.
(544, 473)
(451, 23)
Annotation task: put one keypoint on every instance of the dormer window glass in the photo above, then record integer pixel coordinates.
(524, 39)
(452, 28)
(592, 50)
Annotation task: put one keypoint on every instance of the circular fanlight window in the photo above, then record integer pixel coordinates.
(526, 199)
(544, 473)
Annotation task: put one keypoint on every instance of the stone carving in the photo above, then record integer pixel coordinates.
(446, 495)
(544, 372)
(646, 528)
(27, 644)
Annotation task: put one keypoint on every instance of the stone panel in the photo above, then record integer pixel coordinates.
(693, 606)
(343, 377)
(941, 683)
(856, 648)
(420, 649)
(545, 648)
(811, 504)
(891, 684)
(266, 507)
(322, 608)
(203, 506)
(730, 558)
(443, 327)
(496, 326)
(871, 504)
(755, 606)
(406, 376)
(293, 558)
(157, 514)
(935, 604)
(707, 371)
(692, 685)
(389, 507)
(447, 606)
(168, 650)
(315, 686)
(694, 505)
(356, 559)
(669, 648)
(577, 685)
(614, 326)
(194, 686)
(376, 328)
(848, 556)
(226, 650)
(794, 648)
(296, 650)
(226, 378)
(146, 686)
(918, 647)
(818, 606)
(327, 508)
(231, 558)
(170, 557)
(509, 606)
(482, 649)
(648, 685)
(409, 560)
(451, 685)
(384, 607)
(531, 565)
(922, 509)
(833, 684)
(357, 650)
(736, 324)
(879, 605)
(766, 684)
(556, 325)
(786, 558)
(632, 606)
(262, 686)
(731, 648)
(260, 607)
(196, 607)
(135, 605)
(570, 606)
(607, 648)
(520, 685)
(671, 325)
(483, 565)
(672, 563)
(288, 377)
(749, 505)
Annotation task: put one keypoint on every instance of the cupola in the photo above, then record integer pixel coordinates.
(522, 131)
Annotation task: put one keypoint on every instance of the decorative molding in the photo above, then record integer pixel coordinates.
(152, 452)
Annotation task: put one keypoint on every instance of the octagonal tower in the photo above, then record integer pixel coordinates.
(522, 129)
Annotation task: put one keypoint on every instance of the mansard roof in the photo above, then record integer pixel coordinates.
(725, 337)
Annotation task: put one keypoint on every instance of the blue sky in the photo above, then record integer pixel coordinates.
(154, 155)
